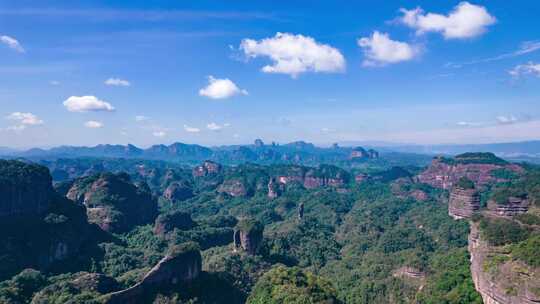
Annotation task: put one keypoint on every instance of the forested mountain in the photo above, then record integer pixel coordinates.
(149, 231)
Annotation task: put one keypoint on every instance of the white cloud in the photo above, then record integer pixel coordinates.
(93, 124)
(525, 47)
(505, 120)
(159, 133)
(191, 129)
(12, 43)
(87, 104)
(469, 124)
(465, 21)
(379, 50)
(221, 89)
(141, 118)
(25, 119)
(117, 82)
(54, 82)
(216, 127)
(530, 68)
(294, 54)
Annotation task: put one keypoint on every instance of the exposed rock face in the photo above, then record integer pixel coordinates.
(419, 195)
(513, 206)
(301, 211)
(94, 282)
(25, 189)
(207, 168)
(274, 190)
(38, 228)
(409, 272)
(233, 187)
(113, 202)
(168, 222)
(443, 173)
(360, 178)
(358, 153)
(463, 203)
(248, 235)
(181, 265)
(505, 284)
(373, 154)
(178, 191)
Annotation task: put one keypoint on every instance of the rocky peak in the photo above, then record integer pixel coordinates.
(248, 235)
(464, 199)
(113, 202)
(207, 168)
(259, 143)
(178, 191)
(478, 167)
(24, 188)
(234, 187)
(181, 265)
(274, 188)
(176, 220)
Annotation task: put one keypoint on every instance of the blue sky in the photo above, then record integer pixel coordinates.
(227, 72)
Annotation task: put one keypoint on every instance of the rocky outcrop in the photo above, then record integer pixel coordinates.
(94, 282)
(274, 188)
(233, 187)
(180, 266)
(503, 281)
(300, 211)
(360, 178)
(207, 168)
(248, 236)
(409, 272)
(178, 191)
(443, 172)
(510, 207)
(25, 189)
(113, 202)
(463, 202)
(39, 229)
(176, 220)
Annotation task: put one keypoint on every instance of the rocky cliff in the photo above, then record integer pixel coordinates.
(207, 168)
(248, 235)
(24, 188)
(478, 167)
(464, 199)
(39, 228)
(181, 265)
(499, 278)
(113, 202)
(178, 191)
(175, 220)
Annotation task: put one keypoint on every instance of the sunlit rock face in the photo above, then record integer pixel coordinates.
(511, 207)
(479, 167)
(248, 236)
(463, 203)
(207, 168)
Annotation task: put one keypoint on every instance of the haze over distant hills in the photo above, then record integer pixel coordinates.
(193, 152)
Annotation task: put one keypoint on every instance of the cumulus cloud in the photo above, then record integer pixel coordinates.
(294, 54)
(191, 129)
(529, 68)
(221, 89)
(87, 104)
(25, 119)
(159, 133)
(215, 127)
(465, 21)
(92, 124)
(141, 118)
(380, 50)
(117, 82)
(12, 43)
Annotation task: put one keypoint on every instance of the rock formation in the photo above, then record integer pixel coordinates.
(510, 207)
(38, 228)
(300, 211)
(178, 191)
(274, 188)
(113, 202)
(233, 187)
(181, 265)
(409, 272)
(444, 172)
(207, 168)
(360, 178)
(168, 222)
(501, 282)
(25, 189)
(248, 235)
(259, 143)
(464, 200)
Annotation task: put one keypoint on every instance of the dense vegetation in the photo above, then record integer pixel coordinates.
(351, 245)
